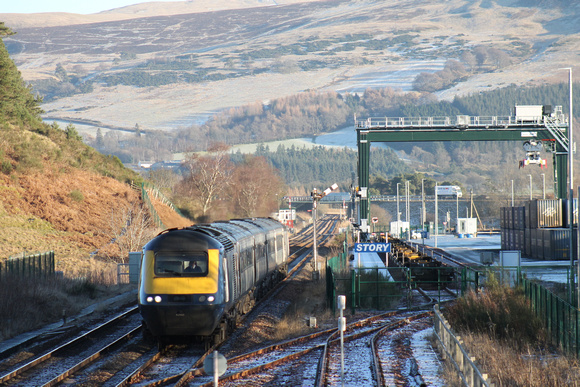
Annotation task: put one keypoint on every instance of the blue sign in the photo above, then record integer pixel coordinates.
(372, 247)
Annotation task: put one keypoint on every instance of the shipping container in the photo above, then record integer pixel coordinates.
(544, 213)
(502, 222)
(557, 243)
(519, 218)
(511, 239)
(510, 217)
(503, 233)
(521, 235)
(528, 221)
(528, 242)
(537, 243)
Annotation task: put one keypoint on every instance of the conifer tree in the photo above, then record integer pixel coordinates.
(17, 103)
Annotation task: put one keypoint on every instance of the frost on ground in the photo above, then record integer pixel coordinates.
(426, 357)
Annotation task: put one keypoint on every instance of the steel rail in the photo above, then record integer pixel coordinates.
(137, 372)
(376, 364)
(330, 223)
(323, 364)
(90, 359)
(293, 342)
(20, 370)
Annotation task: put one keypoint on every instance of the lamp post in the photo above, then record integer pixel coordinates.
(456, 211)
(407, 209)
(530, 187)
(316, 196)
(543, 186)
(436, 217)
(512, 193)
(422, 204)
(571, 187)
(398, 212)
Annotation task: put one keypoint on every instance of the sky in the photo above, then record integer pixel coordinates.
(72, 6)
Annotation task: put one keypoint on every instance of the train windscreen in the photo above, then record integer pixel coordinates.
(181, 264)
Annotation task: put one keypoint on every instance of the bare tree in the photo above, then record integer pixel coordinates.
(130, 228)
(256, 186)
(164, 179)
(209, 176)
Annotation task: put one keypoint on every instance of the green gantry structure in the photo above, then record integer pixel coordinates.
(550, 129)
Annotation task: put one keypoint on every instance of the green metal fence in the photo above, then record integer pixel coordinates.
(34, 265)
(388, 288)
(562, 320)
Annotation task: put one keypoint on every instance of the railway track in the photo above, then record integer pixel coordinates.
(315, 359)
(115, 353)
(176, 369)
(73, 356)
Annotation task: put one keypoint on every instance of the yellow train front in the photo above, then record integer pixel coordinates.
(198, 280)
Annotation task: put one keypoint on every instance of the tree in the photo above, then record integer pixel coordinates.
(99, 141)
(209, 176)
(5, 31)
(72, 133)
(256, 186)
(384, 216)
(130, 228)
(61, 73)
(17, 103)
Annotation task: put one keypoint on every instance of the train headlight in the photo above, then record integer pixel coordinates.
(211, 298)
(201, 298)
(158, 299)
(149, 298)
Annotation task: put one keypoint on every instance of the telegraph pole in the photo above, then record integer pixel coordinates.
(316, 196)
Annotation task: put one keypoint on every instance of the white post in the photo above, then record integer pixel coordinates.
(436, 216)
(398, 212)
(314, 243)
(215, 368)
(512, 193)
(423, 204)
(342, 328)
(456, 212)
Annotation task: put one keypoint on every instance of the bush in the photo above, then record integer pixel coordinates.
(6, 167)
(77, 195)
(500, 311)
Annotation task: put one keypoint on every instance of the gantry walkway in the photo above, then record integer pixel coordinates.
(551, 130)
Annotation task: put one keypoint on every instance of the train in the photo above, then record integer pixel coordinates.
(198, 281)
(425, 270)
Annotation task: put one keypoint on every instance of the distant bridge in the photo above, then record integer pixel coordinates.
(340, 197)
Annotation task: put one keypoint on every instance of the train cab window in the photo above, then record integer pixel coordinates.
(181, 264)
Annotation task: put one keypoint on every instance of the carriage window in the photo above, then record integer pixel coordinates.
(181, 264)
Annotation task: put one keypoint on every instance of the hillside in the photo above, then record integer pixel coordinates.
(38, 213)
(173, 70)
(58, 193)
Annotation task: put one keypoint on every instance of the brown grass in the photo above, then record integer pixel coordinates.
(38, 213)
(509, 342)
(30, 303)
(514, 366)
